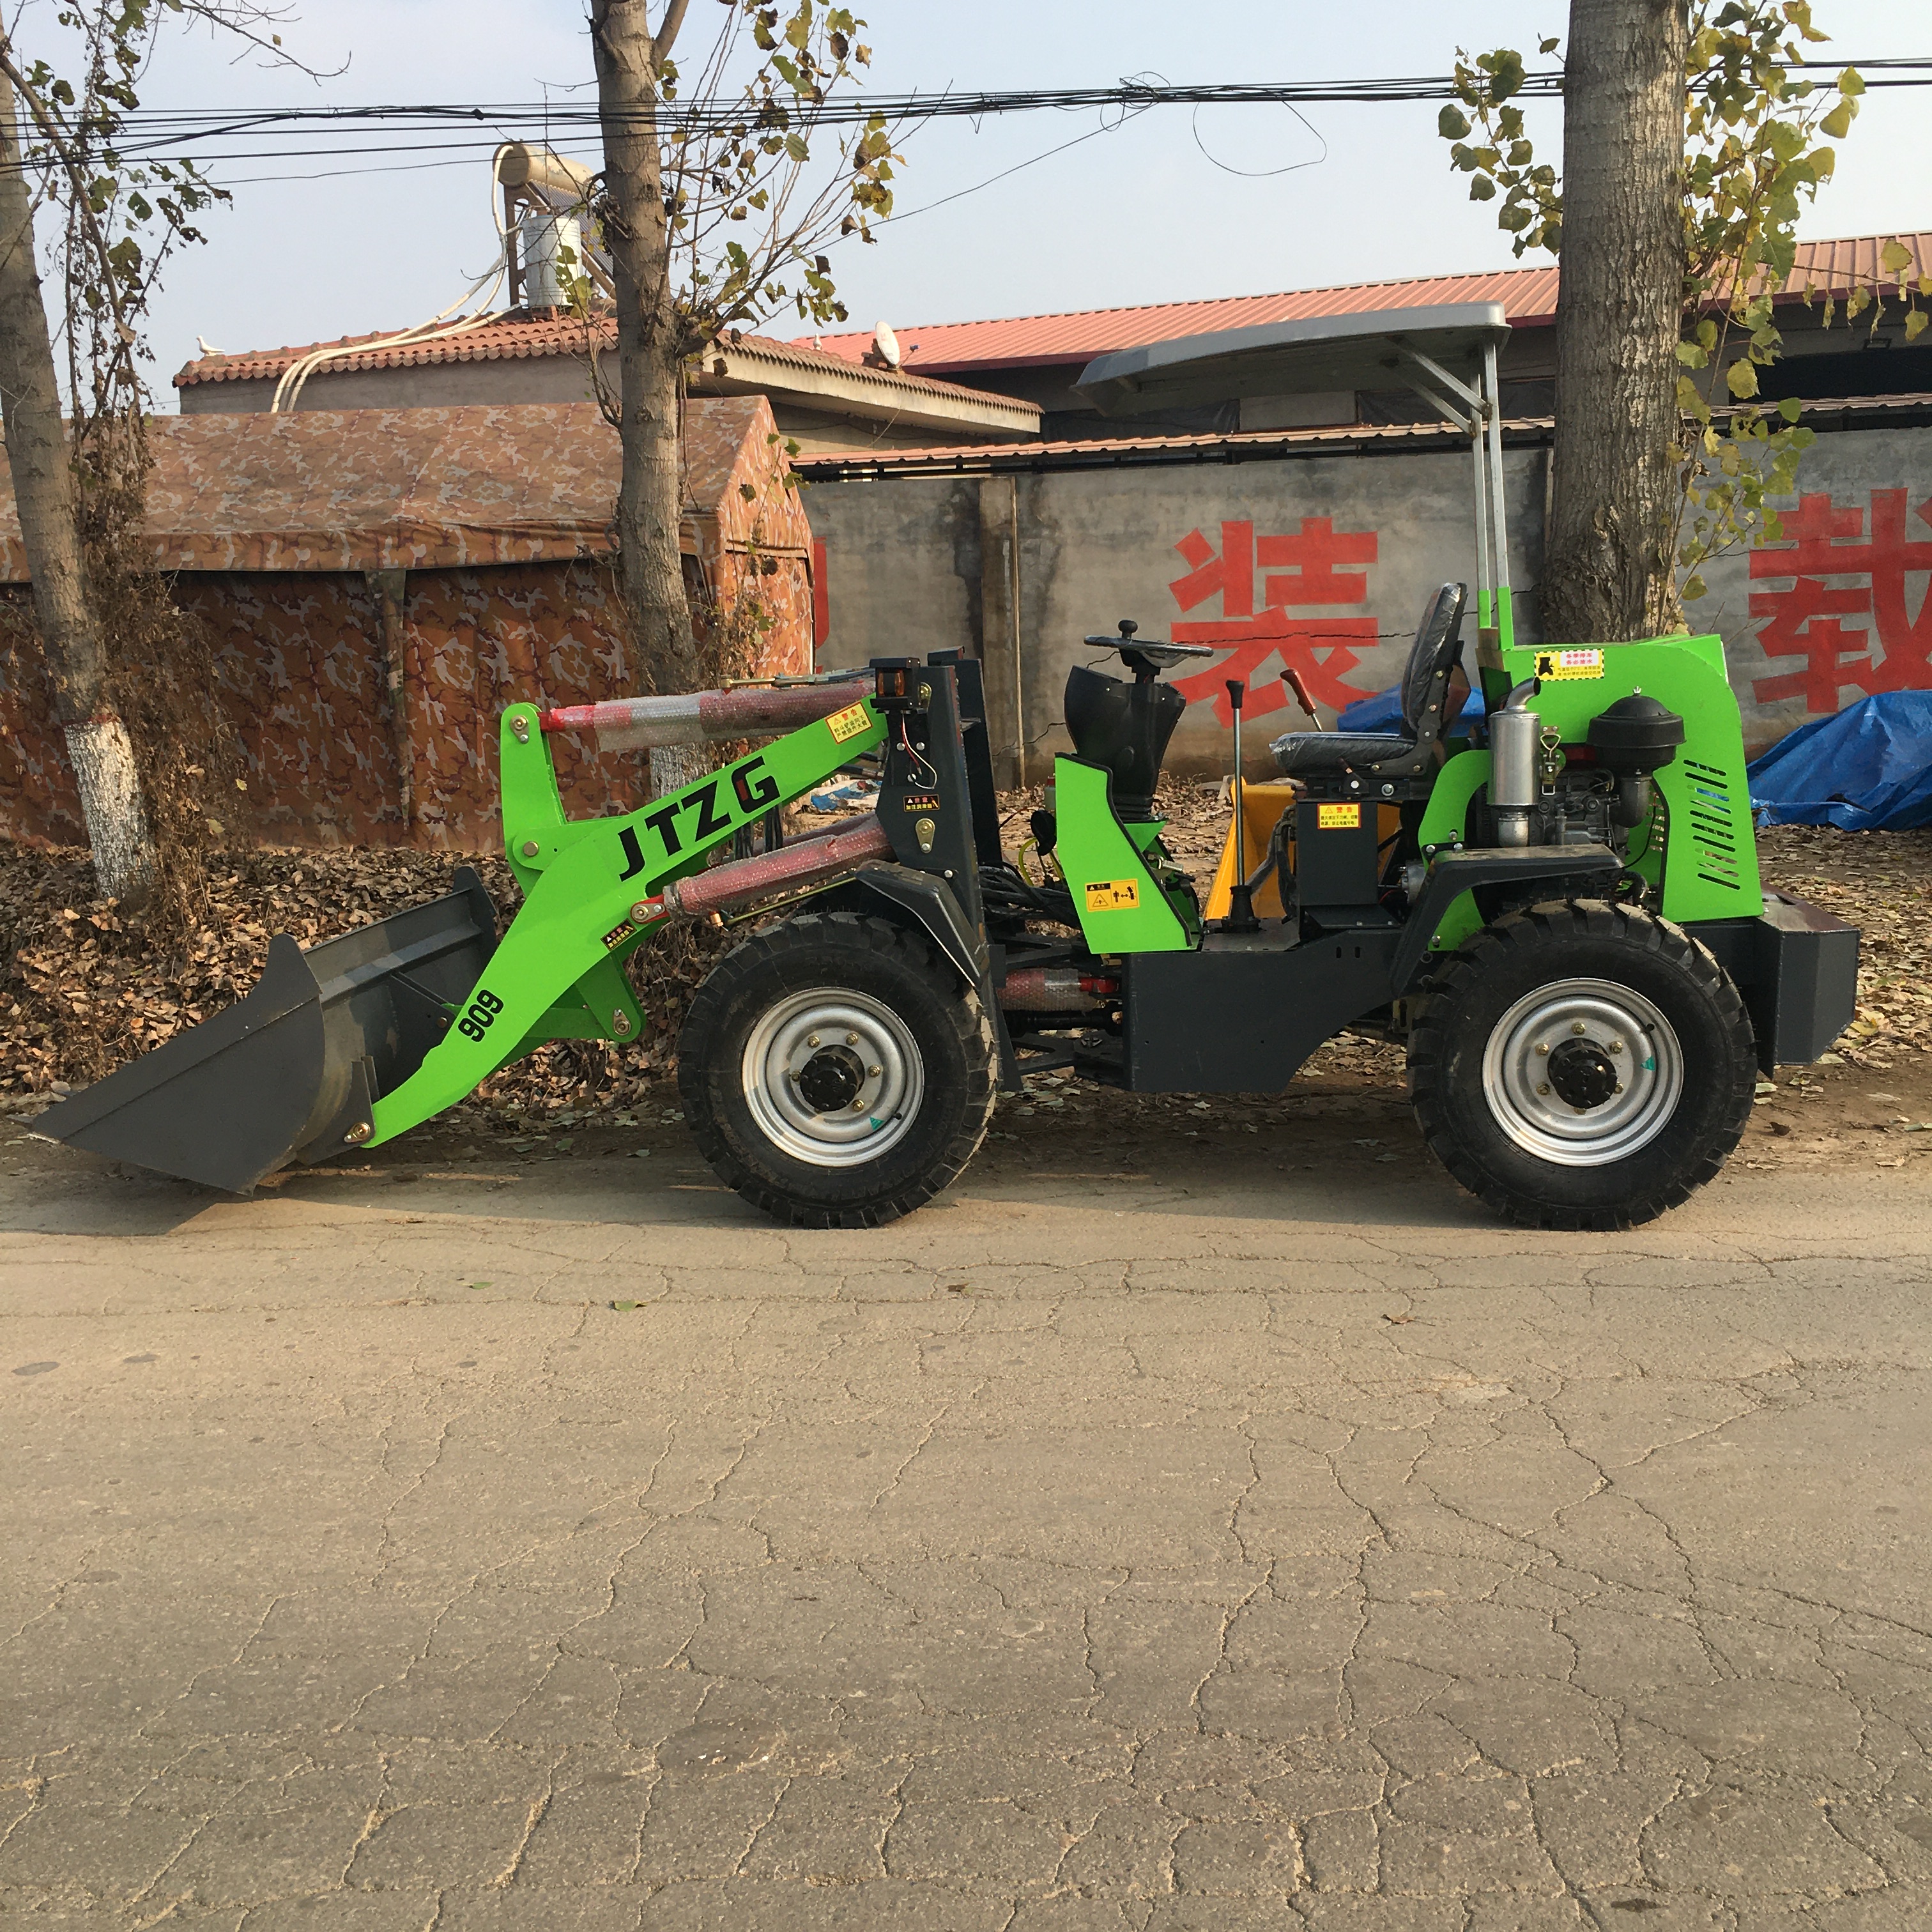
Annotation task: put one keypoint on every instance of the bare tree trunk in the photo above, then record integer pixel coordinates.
(1609, 576)
(43, 490)
(650, 352)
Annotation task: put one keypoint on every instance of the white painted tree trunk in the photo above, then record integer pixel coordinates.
(110, 800)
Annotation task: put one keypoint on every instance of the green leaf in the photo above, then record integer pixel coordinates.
(1482, 189)
(1837, 123)
(1694, 587)
(1851, 82)
(1893, 256)
(1504, 68)
(1790, 408)
(1914, 324)
(1741, 378)
(1451, 124)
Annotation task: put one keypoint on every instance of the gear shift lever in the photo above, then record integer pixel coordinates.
(1240, 901)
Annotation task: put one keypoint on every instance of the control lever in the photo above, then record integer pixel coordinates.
(1292, 678)
(1240, 897)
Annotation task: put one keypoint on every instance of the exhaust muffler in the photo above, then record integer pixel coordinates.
(1514, 734)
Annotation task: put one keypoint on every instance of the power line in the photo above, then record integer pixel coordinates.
(154, 131)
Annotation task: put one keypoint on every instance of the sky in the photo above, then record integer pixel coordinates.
(1171, 205)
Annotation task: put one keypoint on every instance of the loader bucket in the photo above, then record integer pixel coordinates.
(291, 1072)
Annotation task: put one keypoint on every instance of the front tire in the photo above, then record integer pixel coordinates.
(1582, 1066)
(835, 1073)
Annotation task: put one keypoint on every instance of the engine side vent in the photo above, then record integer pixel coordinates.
(1713, 826)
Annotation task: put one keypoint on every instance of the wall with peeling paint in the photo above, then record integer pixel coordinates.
(1325, 561)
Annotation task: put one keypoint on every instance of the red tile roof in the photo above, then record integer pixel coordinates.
(1528, 296)
(515, 337)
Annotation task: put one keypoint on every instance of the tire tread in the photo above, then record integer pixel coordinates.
(699, 1043)
(1538, 927)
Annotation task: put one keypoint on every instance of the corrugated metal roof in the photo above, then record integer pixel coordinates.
(1103, 452)
(1249, 446)
(514, 338)
(1528, 297)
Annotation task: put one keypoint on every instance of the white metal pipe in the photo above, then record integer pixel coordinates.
(1471, 397)
(1485, 616)
(1498, 506)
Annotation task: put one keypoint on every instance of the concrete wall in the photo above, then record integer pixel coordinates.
(1840, 610)
(914, 564)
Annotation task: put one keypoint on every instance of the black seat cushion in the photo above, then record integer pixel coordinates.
(1300, 753)
(1425, 688)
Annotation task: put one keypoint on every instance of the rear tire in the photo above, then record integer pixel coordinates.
(1582, 1066)
(835, 1072)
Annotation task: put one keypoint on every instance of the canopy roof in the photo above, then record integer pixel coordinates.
(1314, 354)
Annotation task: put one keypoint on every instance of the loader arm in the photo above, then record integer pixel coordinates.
(557, 972)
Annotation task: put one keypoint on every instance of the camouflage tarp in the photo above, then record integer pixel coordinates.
(500, 516)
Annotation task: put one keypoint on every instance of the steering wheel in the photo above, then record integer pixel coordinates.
(1144, 657)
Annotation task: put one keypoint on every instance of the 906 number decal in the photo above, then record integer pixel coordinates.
(481, 1015)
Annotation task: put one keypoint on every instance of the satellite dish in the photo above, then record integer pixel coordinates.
(886, 345)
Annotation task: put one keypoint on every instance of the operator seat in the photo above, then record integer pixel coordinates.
(1425, 697)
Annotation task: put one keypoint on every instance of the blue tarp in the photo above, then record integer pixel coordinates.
(1383, 712)
(1867, 770)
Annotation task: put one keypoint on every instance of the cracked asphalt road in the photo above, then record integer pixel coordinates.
(1252, 1545)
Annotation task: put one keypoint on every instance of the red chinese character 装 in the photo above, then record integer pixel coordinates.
(1303, 573)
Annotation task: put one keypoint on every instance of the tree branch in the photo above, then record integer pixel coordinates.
(667, 32)
(69, 165)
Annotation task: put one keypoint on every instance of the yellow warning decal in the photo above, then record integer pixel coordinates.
(1569, 664)
(1337, 817)
(1114, 895)
(850, 722)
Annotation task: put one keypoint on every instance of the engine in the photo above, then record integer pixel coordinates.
(1539, 795)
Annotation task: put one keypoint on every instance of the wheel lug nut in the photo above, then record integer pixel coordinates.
(1620, 1086)
(1616, 1046)
(874, 1072)
(851, 1039)
(1543, 1086)
(858, 1106)
(1576, 1026)
(1542, 1046)
(811, 1039)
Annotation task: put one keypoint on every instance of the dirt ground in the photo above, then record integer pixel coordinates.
(82, 991)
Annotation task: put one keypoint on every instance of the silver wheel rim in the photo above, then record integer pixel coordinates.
(1591, 1025)
(813, 1042)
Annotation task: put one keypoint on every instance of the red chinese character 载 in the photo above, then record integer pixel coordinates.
(1823, 540)
(1907, 663)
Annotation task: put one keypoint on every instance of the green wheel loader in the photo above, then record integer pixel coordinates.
(1557, 907)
